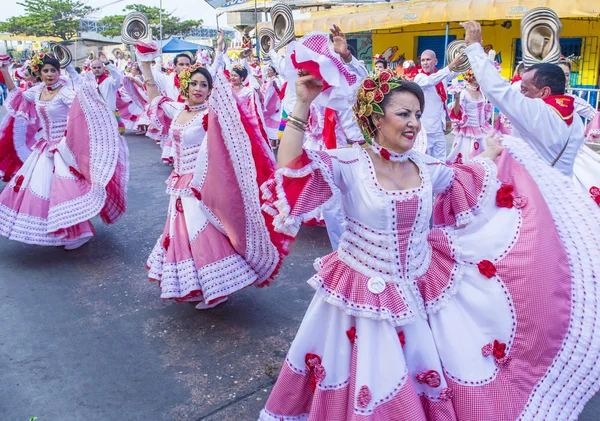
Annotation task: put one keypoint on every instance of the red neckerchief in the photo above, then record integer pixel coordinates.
(515, 79)
(177, 85)
(440, 88)
(101, 79)
(564, 105)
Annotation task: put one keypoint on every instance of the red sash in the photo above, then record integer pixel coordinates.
(440, 88)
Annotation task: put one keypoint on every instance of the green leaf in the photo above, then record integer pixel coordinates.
(377, 109)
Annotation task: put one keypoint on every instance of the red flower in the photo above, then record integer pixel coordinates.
(385, 88)
(315, 369)
(179, 205)
(364, 397)
(476, 146)
(385, 76)
(369, 85)
(385, 154)
(430, 378)
(402, 338)
(196, 193)
(41, 55)
(378, 96)
(504, 196)
(76, 173)
(458, 159)
(486, 268)
(205, 122)
(499, 350)
(351, 333)
(18, 183)
(595, 192)
(166, 242)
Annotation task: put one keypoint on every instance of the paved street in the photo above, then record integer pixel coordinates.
(84, 335)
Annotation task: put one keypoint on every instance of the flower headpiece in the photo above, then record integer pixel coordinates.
(469, 76)
(239, 67)
(185, 76)
(37, 62)
(371, 93)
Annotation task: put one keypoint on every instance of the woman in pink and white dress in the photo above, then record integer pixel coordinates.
(216, 241)
(271, 93)
(470, 115)
(77, 169)
(469, 320)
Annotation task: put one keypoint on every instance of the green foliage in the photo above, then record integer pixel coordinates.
(172, 25)
(48, 18)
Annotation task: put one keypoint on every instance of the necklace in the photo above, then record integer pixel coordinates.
(195, 107)
(54, 87)
(472, 88)
(389, 155)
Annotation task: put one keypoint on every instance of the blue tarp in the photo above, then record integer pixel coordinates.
(176, 45)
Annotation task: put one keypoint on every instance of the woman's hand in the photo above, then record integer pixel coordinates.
(221, 41)
(494, 146)
(308, 87)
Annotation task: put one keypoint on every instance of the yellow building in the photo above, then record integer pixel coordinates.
(407, 28)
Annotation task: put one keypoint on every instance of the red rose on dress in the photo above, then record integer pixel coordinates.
(166, 242)
(385, 88)
(179, 205)
(385, 154)
(486, 268)
(476, 146)
(378, 96)
(384, 76)
(205, 122)
(504, 196)
(595, 192)
(369, 85)
(196, 193)
(458, 159)
(499, 350)
(18, 183)
(351, 333)
(402, 338)
(431, 378)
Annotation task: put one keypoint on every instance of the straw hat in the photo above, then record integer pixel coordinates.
(540, 36)
(456, 49)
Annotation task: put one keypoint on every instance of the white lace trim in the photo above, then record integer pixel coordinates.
(104, 154)
(573, 377)
(261, 253)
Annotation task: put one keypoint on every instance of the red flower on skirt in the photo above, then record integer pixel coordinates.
(205, 122)
(486, 268)
(364, 397)
(351, 333)
(402, 338)
(476, 146)
(18, 183)
(499, 350)
(166, 242)
(196, 193)
(314, 369)
(595, 192)
(179, 205)
(431, 378)
(504, 196)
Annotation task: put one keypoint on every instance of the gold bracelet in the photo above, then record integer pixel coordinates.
(300, 125)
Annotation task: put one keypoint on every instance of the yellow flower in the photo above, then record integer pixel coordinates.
(363, 109)
(369, 109)
(370, 96)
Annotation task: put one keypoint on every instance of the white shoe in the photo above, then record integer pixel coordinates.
(77, 243)
(203, 306)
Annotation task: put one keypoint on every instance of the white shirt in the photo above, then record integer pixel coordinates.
(108, 88)
(434, 115)
(535, 121)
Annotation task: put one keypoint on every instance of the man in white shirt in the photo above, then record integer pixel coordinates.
(433, 83)
(541, 113)
(108, 84)
(167, 83)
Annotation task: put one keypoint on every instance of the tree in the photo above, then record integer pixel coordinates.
(48, 18)
(172, 25)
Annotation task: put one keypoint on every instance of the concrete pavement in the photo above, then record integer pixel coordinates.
(84, 335)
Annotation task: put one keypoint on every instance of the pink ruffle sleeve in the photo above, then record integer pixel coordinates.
(296, 193)
(20, 104)
(471, 188)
